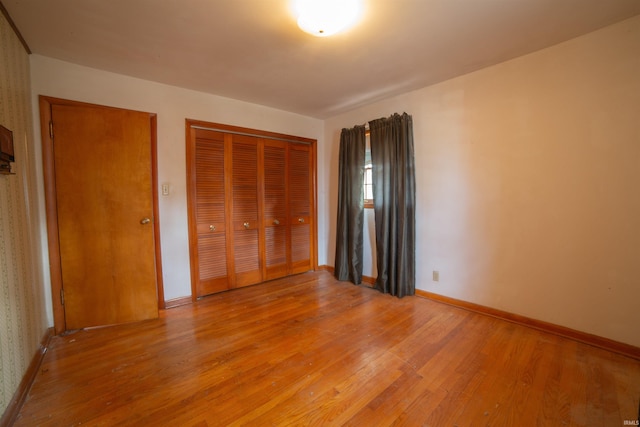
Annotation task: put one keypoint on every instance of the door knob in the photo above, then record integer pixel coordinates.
(246, 224)
(300, 219)
(212, 227)
(145, 221)
(276, 222)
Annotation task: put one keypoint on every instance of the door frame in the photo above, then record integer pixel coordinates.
(53, 237)
(190, 124)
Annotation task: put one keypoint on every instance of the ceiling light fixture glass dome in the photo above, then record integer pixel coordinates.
(323, 18)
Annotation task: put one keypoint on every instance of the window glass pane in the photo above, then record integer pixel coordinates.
(368, 177)
(368, 192)
(368, 188)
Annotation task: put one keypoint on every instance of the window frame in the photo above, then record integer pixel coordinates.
(368, 203)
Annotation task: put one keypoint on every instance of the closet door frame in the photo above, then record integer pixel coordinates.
(190, 125)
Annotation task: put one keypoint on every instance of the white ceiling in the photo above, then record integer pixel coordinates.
(252, 50)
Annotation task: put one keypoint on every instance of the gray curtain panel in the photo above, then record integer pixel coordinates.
(349, 237)
(394, 200)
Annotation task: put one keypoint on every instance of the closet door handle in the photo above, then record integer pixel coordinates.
(276, 222)
(300, 220)
(212, 227)
(246, 225)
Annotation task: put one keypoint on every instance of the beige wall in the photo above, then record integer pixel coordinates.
(527, 183)
(172, 105)
(22, 313)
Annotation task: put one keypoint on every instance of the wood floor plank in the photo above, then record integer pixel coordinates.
(309, 350)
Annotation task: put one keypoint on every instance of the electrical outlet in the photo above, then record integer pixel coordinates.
(436, 276)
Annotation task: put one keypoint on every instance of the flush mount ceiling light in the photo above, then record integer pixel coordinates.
(323, 18)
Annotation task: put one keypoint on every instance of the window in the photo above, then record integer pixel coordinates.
(368, 186)
(368, 175)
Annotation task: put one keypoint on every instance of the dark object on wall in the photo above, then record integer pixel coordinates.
(6, 150)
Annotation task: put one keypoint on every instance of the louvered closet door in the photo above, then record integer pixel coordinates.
(300, 207)
(210, 213)
(246, 241)
(275, 209)
(251, 202)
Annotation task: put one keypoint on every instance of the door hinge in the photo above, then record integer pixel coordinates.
(51, 129)
(62, 296)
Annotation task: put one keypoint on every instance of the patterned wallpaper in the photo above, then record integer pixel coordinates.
(22, 309)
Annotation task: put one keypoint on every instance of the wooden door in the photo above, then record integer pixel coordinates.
(246, 211)
(104, 204)
(276, 230)
(209, 247)
(266, 206)
(301, 207)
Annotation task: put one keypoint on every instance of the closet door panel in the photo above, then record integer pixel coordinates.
(300, 207)
(213, 265)
(275, 209)
(251, 206)
(210, 213)
(276, 255)
(246, 241)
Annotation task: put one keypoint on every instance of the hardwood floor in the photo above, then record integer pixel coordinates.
(309, 350)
